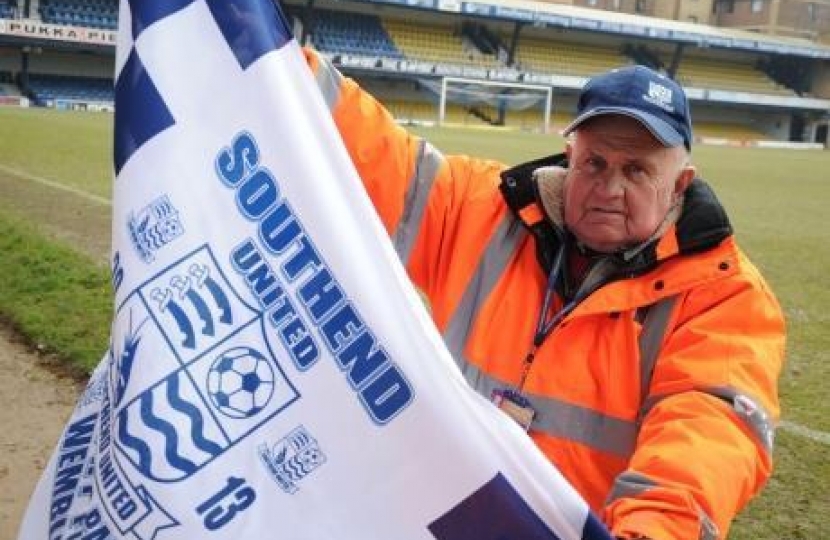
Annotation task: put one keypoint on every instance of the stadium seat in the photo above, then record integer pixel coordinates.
(436, 45)
(8, 9)
(566, 58)
(45, 88)
(89, 13)
(351, 33)
(719, 74)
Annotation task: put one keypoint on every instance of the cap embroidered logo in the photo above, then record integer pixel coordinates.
(659, 95)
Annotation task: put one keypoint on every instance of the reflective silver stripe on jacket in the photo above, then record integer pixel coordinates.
(566, 420)
(633, 484)
(428, 162)
(415, 201)
(553, 416)
(654, 324)
(747, 409)
(328, 80)
(502, 246)
(629, 484)
(750, 412)
(708, 529)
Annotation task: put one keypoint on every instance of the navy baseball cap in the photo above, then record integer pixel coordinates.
(659, 103)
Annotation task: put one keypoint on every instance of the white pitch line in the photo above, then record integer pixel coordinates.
(56, 185)
(804, 431)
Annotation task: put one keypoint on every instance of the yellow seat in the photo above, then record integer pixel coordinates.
(711, 73)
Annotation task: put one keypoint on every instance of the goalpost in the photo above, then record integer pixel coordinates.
(505, 96)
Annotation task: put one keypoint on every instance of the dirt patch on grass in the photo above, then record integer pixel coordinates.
(38, 396)
(38, 392)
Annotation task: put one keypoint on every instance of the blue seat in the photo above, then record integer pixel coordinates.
(352, 33)
(92, 13)
(50, 87)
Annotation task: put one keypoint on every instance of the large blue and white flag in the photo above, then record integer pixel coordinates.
(271, 372)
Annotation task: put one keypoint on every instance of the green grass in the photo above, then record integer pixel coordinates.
(774, 198)
(70, 147)
(53, 295)
(795, 503)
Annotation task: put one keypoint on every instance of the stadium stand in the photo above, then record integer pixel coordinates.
(699, 72)
(727, 131)
(424, 110)
(89, 13)
(486, 41)
(352, 33)
(7, 86)
(442, 45)
(565, 58)
(777, 89)
(8, 9)
(48, 88)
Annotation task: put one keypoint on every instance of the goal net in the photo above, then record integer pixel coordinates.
(527, 106)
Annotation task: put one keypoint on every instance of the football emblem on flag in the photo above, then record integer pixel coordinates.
(240, 382)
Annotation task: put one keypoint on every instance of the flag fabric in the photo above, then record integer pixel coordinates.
(271, 372)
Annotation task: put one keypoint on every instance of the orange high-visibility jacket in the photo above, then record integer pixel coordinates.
(666, 433)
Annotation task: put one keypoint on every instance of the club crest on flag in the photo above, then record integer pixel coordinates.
(222, 379)
(192, 377)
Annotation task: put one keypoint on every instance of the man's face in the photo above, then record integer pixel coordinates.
(621, 182)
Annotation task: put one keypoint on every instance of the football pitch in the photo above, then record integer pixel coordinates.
(55, 179)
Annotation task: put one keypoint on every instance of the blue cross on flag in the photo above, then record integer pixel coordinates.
(264, 378)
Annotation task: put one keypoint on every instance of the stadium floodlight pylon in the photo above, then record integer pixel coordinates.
(510, 95)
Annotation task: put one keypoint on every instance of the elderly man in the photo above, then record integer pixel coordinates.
(597, 297)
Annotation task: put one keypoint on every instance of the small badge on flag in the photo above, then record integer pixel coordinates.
(292, 458)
